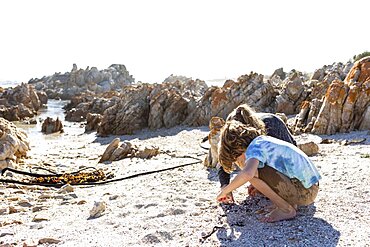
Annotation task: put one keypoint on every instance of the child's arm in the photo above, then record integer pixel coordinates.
(244, 176)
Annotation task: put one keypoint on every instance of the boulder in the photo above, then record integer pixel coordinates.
(93, 121)
(117, 151)
(14, 144)
(51, 126)
(309, 148)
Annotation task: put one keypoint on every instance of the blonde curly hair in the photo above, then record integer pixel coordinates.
(235, 139)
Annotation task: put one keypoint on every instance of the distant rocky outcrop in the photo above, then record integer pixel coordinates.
(14, 144)
(77, 81)
(20, 102)
(52, 126)
(345, 106)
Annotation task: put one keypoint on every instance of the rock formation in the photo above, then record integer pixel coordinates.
(151, 105)
(292, 94)
(14, 144)
(345, 106)
(20, 102)
(51, 126)
(77, 81)
(92, 122)
(216, 101)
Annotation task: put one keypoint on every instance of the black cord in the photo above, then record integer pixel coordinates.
(91, 183)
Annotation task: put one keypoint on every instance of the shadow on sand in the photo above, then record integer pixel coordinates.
(145, 134)
(244, 228)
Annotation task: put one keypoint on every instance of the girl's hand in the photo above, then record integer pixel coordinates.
(225, 198)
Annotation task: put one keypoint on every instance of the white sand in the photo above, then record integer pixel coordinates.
(178, 207)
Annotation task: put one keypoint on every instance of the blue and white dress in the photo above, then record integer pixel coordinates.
(285, 158)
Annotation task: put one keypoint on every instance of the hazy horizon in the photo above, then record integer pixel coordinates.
(199, 39)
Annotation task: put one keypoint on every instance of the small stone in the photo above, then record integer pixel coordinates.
(66, 189)
(39, 219)
(114, 197)
(98, 209)
(81, 202)
(49, 241)
(24, 203)
(37, 208)
(12, 210)
(3, 211)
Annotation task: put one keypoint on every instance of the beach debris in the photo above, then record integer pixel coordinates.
(52, 126)
(98, 209)
(309, 148)
(117, 151)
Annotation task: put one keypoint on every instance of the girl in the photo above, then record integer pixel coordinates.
(268, 123)
(277, 169)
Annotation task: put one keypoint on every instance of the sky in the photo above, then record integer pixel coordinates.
(205, 39)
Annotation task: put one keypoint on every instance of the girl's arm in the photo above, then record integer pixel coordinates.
(244, 176)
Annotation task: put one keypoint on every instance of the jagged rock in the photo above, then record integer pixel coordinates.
(292, 94)
(81, 105)
(51, 126)
(77, 81)
(92, 121)
(19, 103)
(346, 105)
(280, 73)
(309, 148)
(129, 114)
(169, 102)
(177, 78)
(216, 101)
(14, 144)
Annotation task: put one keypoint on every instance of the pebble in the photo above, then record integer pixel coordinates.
(114, 197)
(37, 208)
(49, 241)
(12, 210)
(24, 203)
(66, 189)
(98, 209)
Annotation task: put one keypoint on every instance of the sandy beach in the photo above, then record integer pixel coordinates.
(178, 207)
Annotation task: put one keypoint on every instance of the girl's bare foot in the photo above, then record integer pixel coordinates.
(277, 215)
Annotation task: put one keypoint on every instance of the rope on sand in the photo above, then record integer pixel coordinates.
(58, 185)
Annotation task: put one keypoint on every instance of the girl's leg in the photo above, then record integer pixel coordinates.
(283, 210)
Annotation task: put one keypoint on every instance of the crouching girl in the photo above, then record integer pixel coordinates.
(278, 169)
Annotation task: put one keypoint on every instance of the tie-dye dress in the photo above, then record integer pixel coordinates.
(285, 158)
